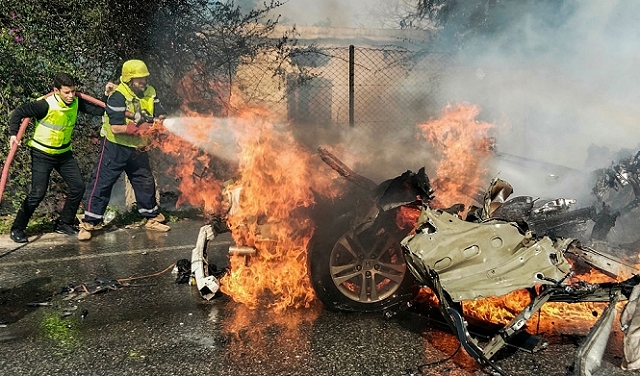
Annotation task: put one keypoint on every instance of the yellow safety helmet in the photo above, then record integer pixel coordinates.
(133, 69)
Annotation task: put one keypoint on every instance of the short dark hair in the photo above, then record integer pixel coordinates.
(63, 79)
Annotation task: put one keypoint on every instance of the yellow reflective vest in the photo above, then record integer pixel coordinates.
(131, 100)
(52, 133)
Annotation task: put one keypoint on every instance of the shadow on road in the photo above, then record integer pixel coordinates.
(13, 302)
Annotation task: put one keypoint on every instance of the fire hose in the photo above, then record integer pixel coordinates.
(23, 127)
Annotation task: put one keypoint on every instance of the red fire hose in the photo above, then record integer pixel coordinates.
(23, 127)
(12, 152)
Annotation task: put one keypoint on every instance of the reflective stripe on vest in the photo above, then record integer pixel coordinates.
(146, 103)
(52, 134)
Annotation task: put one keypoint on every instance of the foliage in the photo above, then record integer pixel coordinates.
(201, 40)
(38, 39)
(63, 333)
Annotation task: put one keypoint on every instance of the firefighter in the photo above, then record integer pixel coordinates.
(55, 118)
(130, 111)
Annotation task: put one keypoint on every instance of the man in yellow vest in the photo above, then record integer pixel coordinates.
(55, 118)
(122, 149)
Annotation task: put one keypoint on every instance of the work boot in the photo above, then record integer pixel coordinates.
(85, 230)
(155, 224)
(66, 229)
(18, 235)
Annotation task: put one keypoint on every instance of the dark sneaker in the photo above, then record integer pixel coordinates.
(63, 228)
(18, 236)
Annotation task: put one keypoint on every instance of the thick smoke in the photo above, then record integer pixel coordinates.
(557, 77)
(560, 80)
(334, 13)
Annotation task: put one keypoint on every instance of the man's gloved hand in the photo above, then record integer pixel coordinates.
(132, 128)
(144, 128)
(142, 116)
(146, 116)
(138, 130)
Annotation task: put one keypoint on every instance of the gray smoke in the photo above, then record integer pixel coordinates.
(555, 89)
(556, 78)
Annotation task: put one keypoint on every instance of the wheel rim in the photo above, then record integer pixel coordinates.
(367, 267)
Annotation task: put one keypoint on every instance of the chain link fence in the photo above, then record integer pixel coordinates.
(378, 88)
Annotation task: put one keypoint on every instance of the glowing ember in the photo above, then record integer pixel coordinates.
(407, 217)
(462, 142)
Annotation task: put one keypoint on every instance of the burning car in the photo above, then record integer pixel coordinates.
(374, 249)
(373, 258)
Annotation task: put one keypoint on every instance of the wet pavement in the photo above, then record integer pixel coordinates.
(157, 327)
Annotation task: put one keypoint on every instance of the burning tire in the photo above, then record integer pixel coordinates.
(361, 269)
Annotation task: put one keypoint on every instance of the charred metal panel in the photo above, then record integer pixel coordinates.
(476, 260)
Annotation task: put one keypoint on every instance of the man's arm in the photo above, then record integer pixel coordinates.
(158, 110)
(89, 108)
(36, 109)
(115, 109)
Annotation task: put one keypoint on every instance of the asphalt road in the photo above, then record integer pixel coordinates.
(158, 327)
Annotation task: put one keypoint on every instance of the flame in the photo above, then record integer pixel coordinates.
(275, 180)
(198, 184)
(465, 145)
(407, 217)
(462, 142)
(273, 176)
(552, 316)
(272, 215)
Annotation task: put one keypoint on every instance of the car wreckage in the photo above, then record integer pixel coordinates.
(369, 260)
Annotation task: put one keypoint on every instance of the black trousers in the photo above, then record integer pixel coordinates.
(113, 159)
(41, 166)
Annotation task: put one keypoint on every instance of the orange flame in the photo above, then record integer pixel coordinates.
(198, 185)
(463, 143)
(276, 176)
(552, 316)
(407, 217)
(275, 179)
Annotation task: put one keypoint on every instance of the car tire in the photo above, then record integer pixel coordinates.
(361, 269)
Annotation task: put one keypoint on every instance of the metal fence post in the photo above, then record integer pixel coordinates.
(351, 85)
